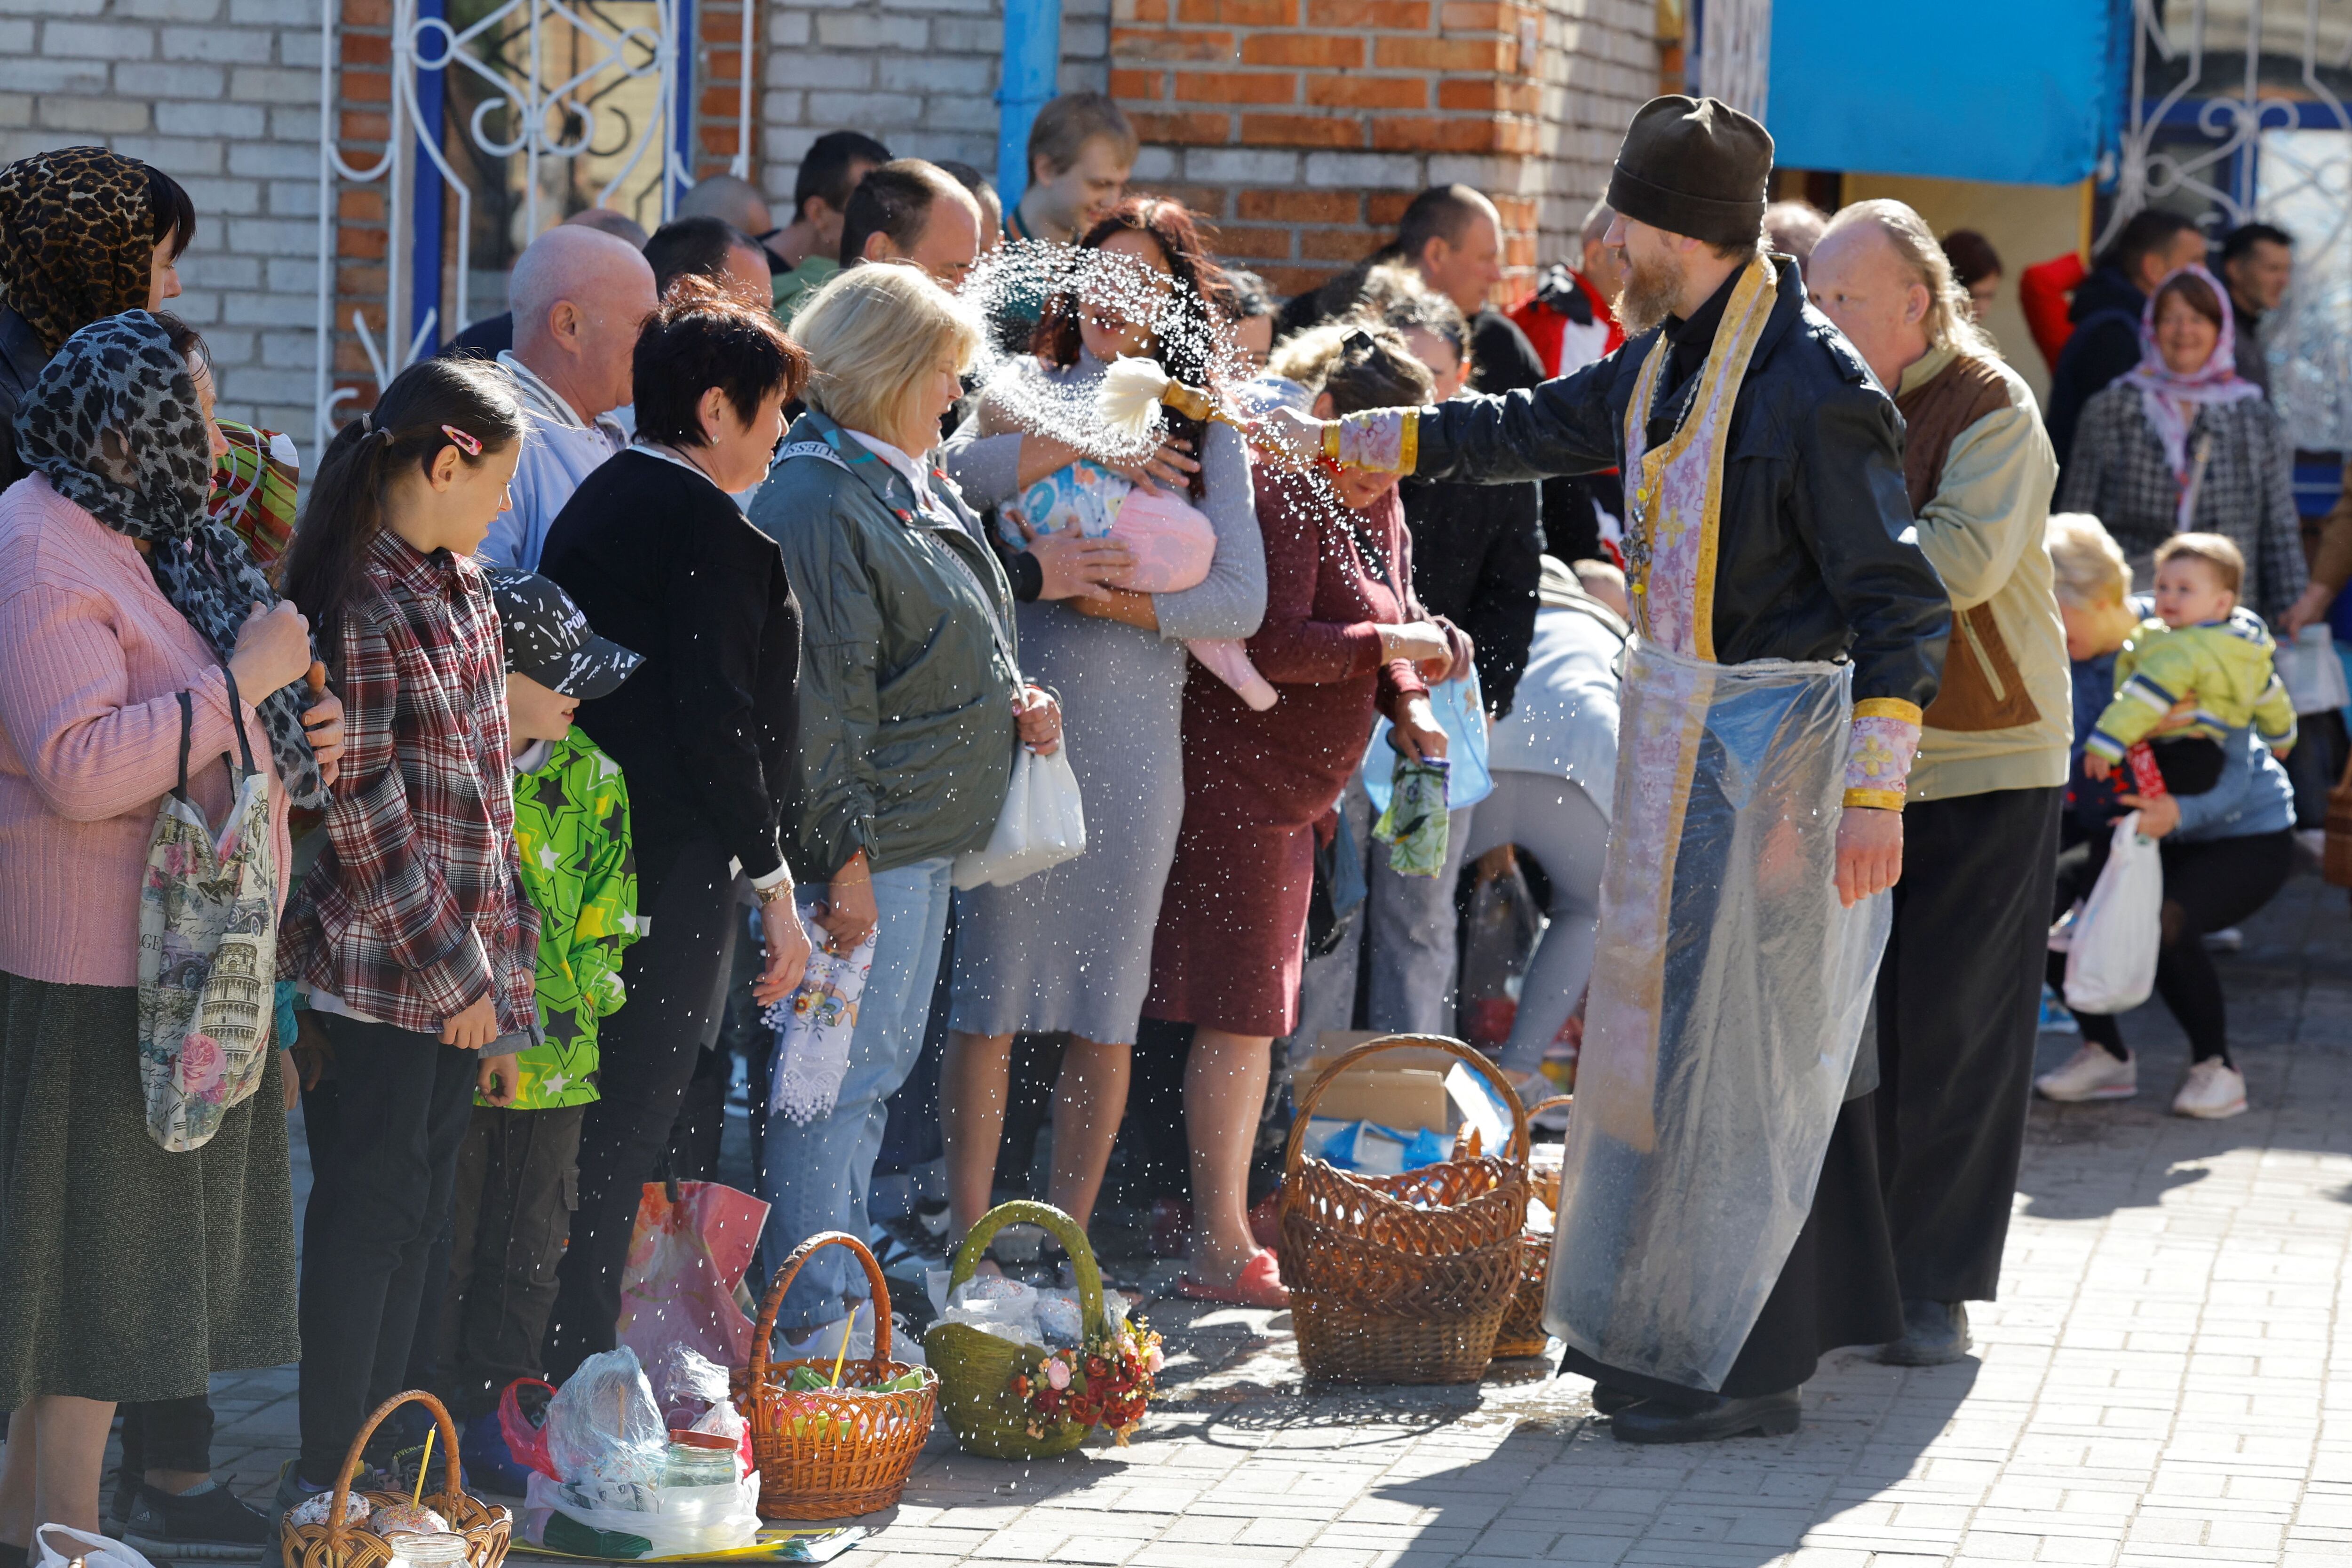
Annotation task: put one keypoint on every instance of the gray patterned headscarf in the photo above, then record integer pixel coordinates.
(113, 420)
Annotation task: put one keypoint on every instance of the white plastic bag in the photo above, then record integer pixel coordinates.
(58, 1545)
(1043, 823)
(2111, 954)
(2314, 675)
(683, 1522)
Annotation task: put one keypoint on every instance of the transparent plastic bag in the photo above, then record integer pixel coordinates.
(686, 1384)
(1505, 926)
(673, 1522)
(604, 1427)
(2112, 945)
(1727, 1002)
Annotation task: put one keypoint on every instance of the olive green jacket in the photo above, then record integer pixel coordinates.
(908, 666)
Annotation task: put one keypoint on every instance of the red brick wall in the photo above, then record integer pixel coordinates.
(1302, 126)
(364, 130)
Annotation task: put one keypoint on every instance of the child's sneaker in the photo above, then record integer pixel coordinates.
(490, 1465)
(2091, 1074)
(2056, 1019)
(2214, 1090)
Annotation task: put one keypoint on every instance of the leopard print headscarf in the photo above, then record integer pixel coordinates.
(77, 239)
(114, 422)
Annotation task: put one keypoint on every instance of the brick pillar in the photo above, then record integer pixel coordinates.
(718, 60)
(362, 232)
(1302, 126)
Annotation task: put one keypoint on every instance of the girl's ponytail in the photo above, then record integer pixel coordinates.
(433, 403)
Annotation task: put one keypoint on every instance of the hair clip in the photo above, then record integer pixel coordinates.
(1359, 341)
(469, 444)
(366, 424)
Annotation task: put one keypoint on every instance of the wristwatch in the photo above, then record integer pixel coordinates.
(778, 889)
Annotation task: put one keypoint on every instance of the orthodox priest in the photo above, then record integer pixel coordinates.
(1721, 1222)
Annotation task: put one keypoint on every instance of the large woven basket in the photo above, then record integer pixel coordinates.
(976, 1369)
(870, 1438)
(1522, 1333)
(339, 1544)
(1403, 1278)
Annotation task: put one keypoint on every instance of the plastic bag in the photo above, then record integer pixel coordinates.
(1728, 1000)
(1416, 826)
(61, 1545)
(2112, 945)
(604, 1427)
(1505, 926)
(1460, 707)
(813, 1027)
(526, 1441)
(673, 1522)
(685, 1261)
(2314, 675)
(1043, 822)
(686, 1384)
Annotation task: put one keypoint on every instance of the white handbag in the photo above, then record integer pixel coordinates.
(2314, 675)
(2111, 956)
(1043, 822)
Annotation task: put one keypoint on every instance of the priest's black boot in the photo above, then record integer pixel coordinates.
(1654, 1421)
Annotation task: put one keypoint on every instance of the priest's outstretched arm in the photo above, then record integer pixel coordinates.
(1566, 426)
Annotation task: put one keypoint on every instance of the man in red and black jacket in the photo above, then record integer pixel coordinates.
(1570, 321)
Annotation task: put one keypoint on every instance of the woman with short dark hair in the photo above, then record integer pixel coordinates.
(660, 560)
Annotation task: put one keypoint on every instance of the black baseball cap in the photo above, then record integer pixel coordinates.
(548, 640)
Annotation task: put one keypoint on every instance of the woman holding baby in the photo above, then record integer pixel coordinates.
(1068, 951)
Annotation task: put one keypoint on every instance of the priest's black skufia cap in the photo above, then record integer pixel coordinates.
(1695, 166)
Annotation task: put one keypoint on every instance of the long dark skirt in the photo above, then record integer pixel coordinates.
(127, 1273)
(1837, 1288)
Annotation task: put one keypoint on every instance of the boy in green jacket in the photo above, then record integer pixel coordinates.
(516, 1173)
(2201, 647)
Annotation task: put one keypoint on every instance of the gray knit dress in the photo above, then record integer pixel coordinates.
(1069, 949)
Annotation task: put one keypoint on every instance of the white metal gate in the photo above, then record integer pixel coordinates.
(588, 95)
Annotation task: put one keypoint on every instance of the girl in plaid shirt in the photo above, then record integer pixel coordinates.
(410, 933)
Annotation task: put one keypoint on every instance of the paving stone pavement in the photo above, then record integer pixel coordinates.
(2158, 1386)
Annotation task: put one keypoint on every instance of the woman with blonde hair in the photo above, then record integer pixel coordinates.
(911, 705)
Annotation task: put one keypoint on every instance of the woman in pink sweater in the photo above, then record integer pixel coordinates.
(126, 1273)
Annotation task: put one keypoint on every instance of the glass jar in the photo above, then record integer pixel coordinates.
(699, 1460)
(445, 1550)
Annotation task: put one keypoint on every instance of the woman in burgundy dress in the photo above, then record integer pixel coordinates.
(1343, 639)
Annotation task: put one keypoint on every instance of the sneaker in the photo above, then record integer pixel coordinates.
(2215, 1089)
(121, 1505)
(2228, 939)
(2091, 1074)
(209, 1524)
(490, 1465)
(2056, 1019)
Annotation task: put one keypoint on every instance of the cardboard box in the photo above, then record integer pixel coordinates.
(1403, 1088)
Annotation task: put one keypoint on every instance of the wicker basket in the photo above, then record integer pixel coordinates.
(1403, 1278)
(976, 1368)
(1522, 1333)
(339, 1544)
(871, 1438)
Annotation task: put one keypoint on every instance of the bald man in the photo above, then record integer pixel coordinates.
(493, 335)
(579, 297)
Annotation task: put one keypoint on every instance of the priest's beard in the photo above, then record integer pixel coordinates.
(1648, 294)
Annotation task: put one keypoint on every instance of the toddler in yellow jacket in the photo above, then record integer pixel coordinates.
(2199, 646)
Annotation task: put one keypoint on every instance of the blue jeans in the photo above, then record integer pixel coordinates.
(816, 1177)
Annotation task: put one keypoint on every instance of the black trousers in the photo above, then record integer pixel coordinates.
(517, 1183)
(2207, 885)
(649, 1051)
(1837, 1289)
(167, 1435)
(1959, 994)
(383, 1134)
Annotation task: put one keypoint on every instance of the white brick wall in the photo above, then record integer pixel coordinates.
(223, 95)
(1600, 63)
(919, 75)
